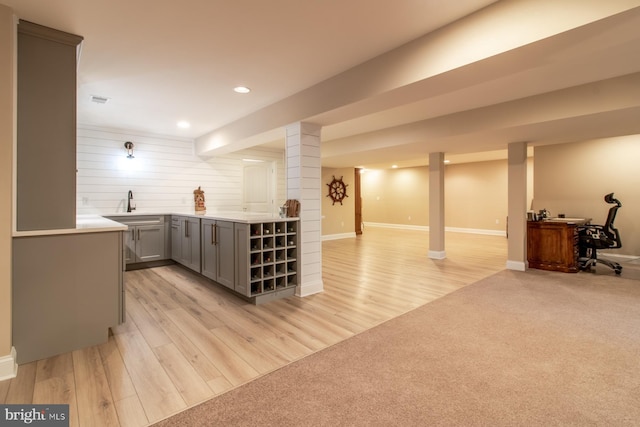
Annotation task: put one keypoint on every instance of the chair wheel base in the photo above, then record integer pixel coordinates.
(586, 264)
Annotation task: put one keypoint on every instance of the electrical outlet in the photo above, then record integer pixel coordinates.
(497, 221)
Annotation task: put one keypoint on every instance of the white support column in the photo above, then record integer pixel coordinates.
(304, 183)
(436, 206)
(517, 207)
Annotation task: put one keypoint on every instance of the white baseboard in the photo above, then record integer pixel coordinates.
(618, 257)
(398, 226)
(437, 254)
(516, 265)
(8, 366)
(339, 236)
(426, 228)
(309, 288)
(477, 231)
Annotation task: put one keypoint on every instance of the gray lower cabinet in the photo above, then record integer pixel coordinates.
(185, 241)
(67, 292)
(217, 240)
(146, 240)
(256, 260)
(144, 243)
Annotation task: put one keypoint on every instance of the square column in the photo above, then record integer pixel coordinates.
(436, 206)
(304, 183)
(517, 207)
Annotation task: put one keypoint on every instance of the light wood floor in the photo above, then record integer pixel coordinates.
(186, 340)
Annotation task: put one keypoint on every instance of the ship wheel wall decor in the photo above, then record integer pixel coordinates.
(337, 190)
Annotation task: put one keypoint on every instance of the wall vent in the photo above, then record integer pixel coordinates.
(99, 99)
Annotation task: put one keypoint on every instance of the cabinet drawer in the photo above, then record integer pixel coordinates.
(143, 220)
(133, 220)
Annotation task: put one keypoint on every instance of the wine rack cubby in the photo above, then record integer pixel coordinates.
(268, 264)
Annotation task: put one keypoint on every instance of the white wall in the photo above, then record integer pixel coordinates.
(162, 176)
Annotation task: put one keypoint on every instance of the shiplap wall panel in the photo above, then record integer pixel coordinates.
(163, 174)
(304, 183)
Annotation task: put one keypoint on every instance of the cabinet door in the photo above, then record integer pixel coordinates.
(130, 245)
(191, 243)
(225, 253)
(176, 239)
(185, 242)
(149, 242)
(46, 128)
(208, 245)
(552, 246)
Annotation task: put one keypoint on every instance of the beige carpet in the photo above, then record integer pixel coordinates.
(515, 349)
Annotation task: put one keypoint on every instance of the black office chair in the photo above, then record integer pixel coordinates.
(595, 237)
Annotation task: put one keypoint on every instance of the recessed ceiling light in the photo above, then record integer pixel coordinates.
(241, 89)
(183, 124)
(446, 162)
(394, 166)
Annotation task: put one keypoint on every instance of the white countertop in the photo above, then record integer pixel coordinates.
(235, 216)
(84, 224)
(99, 224)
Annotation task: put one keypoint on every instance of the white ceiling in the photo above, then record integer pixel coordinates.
(162, 61)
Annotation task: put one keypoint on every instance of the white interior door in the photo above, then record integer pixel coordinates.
(259, 179)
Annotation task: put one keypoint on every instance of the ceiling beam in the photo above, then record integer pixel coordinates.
(499, 28)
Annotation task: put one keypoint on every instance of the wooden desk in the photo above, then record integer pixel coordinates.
(552, 244)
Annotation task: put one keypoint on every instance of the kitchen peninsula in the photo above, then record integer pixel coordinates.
(254, 255)
(67, 287)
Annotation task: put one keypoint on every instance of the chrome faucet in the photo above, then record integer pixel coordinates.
(130, 207)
